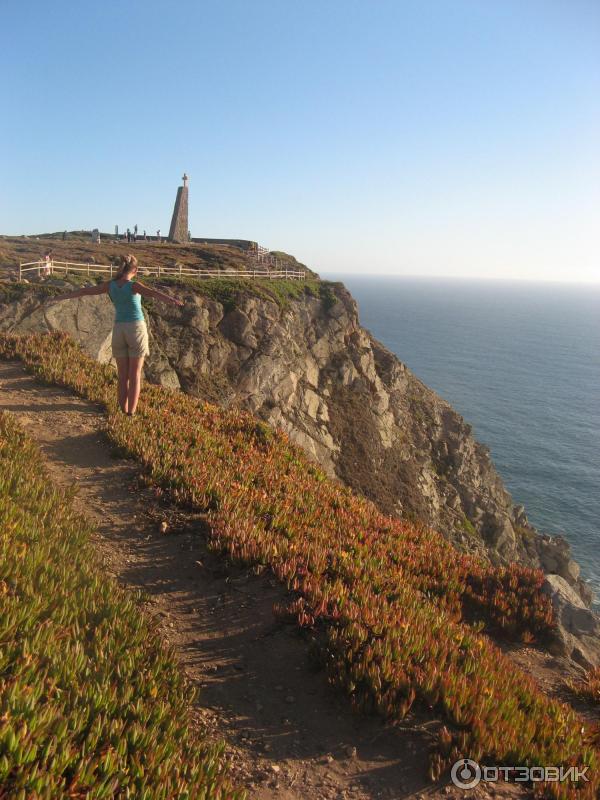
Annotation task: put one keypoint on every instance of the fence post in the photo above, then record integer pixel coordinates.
(180, 270)
(20, 272)
(159, 270)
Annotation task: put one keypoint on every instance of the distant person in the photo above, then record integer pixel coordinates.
(47, 265)
(64, 236)
(130, 335)
(128, 235)
(135, 230)
(158, 235)
(145, 236)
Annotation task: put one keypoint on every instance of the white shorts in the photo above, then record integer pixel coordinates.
(130, 340)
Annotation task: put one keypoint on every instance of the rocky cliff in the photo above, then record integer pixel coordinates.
(308, 367)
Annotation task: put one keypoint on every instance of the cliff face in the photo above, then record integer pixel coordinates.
(312, 370)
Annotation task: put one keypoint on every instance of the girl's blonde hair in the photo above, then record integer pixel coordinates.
(128, 263)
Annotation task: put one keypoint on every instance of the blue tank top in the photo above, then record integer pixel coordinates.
(127, 304)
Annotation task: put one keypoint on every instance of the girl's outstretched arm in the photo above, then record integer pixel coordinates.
(146, 291)
(101, 288)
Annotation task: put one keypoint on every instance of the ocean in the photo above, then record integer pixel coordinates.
(521, 363)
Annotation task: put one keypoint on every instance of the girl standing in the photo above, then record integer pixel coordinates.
(130, 334)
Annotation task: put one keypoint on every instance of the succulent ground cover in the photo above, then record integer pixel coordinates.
(91, 704)
(589, 687)
(401, 614)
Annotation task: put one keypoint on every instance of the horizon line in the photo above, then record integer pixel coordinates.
(501, 278)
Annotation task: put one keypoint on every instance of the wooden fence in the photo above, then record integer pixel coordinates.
(51, 267)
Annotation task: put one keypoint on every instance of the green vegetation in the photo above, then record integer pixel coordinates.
(12, 292)
(468, 527)
(325, 290)
(91, 704)
(226, 291)
(390, 600)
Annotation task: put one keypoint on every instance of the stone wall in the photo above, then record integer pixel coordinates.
(242, 244)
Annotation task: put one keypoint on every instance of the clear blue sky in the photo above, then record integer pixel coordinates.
(455, 137)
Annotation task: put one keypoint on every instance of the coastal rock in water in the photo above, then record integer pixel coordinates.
(555, 557)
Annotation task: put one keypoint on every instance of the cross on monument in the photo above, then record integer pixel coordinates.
(185, 179)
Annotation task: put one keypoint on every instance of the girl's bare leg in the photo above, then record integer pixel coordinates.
(135, 383)
(123, 372)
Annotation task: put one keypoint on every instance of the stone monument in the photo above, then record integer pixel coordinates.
(178, 231)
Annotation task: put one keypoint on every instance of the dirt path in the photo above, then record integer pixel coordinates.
(290, 735)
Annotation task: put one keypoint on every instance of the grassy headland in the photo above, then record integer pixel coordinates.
(79, 248)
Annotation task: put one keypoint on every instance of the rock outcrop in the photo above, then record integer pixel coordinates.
(309, 368)
(578, 635)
